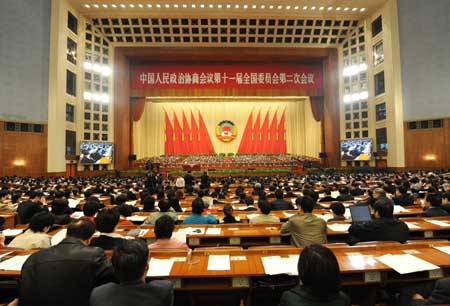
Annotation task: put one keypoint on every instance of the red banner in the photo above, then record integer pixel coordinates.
(227, 76)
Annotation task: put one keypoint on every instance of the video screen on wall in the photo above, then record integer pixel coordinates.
(358, 149)
(100, 153)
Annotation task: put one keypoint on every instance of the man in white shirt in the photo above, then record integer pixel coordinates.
(179, 183)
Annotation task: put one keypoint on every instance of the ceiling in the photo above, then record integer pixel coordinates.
(301, 23)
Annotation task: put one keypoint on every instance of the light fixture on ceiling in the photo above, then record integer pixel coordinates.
(280, 7)
(288, 7)
(228, 6)
(131, 5)
(122, 5)
(219, 6)
(193, 5)
(211, 6)
(113, 6)
(149, 5)
(87, 6)
(236, 6)
(321, 8)
(96, 5)
(313, 8)
(140, 5)
(296, 7)
(362, 9)
(167, 6)
(158, 5)
(175, 5)
(346, 9)
(105, 5)
(330, 8)
(245, 6)
(19, 162)
(263, 6)
(305, 7)
(202, 6)
(253, 6)
(338, 8)
(271, 6)
(354, 9)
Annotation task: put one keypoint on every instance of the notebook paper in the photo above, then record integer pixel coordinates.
(12, 232)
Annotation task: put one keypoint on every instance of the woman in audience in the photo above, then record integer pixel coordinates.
(164, 227)
(228, 211)
(90, 209)
(165, 209)
(36, 235)
(106, 222)
(319, 275)
(197, 217)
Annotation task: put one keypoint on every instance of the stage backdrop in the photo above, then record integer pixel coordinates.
(277, 125)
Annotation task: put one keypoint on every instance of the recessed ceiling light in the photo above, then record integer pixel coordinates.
(245, 6)
(175, 5)
(167, 5)
(313, 8)
(122, 5)
(263, 6)
(346, 9)
(330, 8)
(338, 8)
(149, 5)
(228, 5)
(131, 5)
(140, 5)
(184, 6)
(113, 5)
(354, 9)
(87, 6)
(288, 7)
(211, 6)
(305, 7)
(105, 5)
(253, 6)
(96, 5)
(363, 9)
(280, 7)
(236, 6)
(202, 5)
(271, 6)
(296, 7)
(321, 8)
(193, 5)
(158, 5)
(219, 6)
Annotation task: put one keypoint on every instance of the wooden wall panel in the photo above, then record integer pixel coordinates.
(423, 143)
(125, 57)
(26, 146)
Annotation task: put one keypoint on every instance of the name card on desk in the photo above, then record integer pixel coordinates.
(159, 267)
(445, 249)
(136, 218)
(14, 264)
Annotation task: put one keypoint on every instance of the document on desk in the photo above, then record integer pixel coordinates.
(136, 218)
(406, 263)
(5, 254)
(73, 203)
(399, 209)
(14, 264)
(213, 231)
(339, 227)
(412, 225)
(277, 265)
(59, 236)
(180, 235)
(12, 232)
(325, 217)
(288, 215)
(219, 263)
(160, 267)
(445, 249)
(251, 216)
(438, 223)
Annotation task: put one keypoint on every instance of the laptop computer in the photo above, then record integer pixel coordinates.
(360, 214)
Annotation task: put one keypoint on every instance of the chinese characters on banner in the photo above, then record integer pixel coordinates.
(227, 76)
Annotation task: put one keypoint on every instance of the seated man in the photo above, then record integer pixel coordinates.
(163, 231)
(327, 196)
(433, 206)
(305, 228)
(130, 262)
(32, 206)
(36, 236)
(402, 197)
(90, 209)
(106, 222)
(265, 216)
(149, 204)
(279, 203)
(344, 195)
(65, 274)
(197, 217)
(228, 212)
(383, 228)
(338, 211)
(164, 209)
(250, 203)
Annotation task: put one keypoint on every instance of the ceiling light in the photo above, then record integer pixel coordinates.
(158, 5)
(219, 6)
(305, 7)
(330, 8)
(338, 8)
(363, 9)
(346, 9)
(149, 5)
(167, 5)
(280, 7)
(193, 5)
(96, 5)
(132, 5)
(288, 7)
(202, 5)
(296, 7)
(228, 5)
(321, 8)
(263, 6)
(87, 6)
(211, 6)
(175, 5)
(122, 5)
(236, 6)
(253, 6)
(105, 5)
(313, 8)
(140, 5)
(113, 5)
(184, 6)
(271, 7)
(354, 9)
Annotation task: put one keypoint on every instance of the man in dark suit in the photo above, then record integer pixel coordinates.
(65, 274)
(327, 196)
(344, 195)
(29, 208)
(402, 197)
(189, 179)
(383, 228)
(433, 206)
(106, 222)
(279, 203)
(204, 181)
(130, 261)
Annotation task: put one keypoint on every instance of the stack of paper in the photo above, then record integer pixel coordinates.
(59, 236)
(339, 227)
(277, 265)
(14, 264)
(412, 225)
(219, 263)
(137, 218)
(12, 232)
(213, 231)
(160, 267)
(73, 203)
(439, 223)
(180, 235)
(406, 263)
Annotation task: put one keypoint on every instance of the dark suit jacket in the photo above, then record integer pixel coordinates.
(27, 209)
(155, 293)
(345, 197)
(106, 242)
(440, 294)
(63, 275)
(404, 200)
(434, 212)
(298, 296)
(327, 199)
(280, 204)
(381, 229)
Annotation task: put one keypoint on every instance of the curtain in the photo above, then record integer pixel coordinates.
(303, 132)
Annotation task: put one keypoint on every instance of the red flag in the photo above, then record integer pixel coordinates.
(273, 134)
(256, 148)
(264, 134)
(178, 141)
(168, 141)
(281, 135)
(246, 141)
(205, 141)
(187, 137)
(195, 142)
